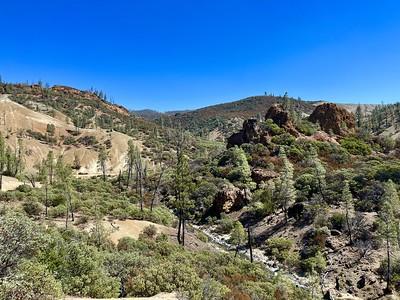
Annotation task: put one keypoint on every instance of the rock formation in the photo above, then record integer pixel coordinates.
(229, 199)
(333, 118)
(282, 118)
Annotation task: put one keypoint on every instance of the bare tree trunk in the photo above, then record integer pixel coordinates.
(66, 217)
(1, 181)
(388, 279)
(46, 199)
(183, 231)
(249, 242)
(348, 226)
(179, 227)
(156, 190)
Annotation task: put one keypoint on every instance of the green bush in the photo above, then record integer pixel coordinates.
(279, 247)
(315, 263)
(285, 139)
(225, 224)
(272, 128)
(355, 146)
(338, 221)
(32, 208)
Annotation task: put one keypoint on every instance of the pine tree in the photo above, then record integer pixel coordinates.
(287, 192)
(388, 227)
(64, 178)
(238, 236)
(359, 116)
(102, 161)
(319, 171)
(3, 159)
(347, 199)
(183, 188)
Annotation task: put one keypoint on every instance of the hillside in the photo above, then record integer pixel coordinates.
(31, 128)
(219, 121)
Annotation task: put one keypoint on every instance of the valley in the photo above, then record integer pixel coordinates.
(264, 198)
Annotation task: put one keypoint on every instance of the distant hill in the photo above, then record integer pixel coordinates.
(220, 120)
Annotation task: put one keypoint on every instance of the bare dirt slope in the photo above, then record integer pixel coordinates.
(16, 121)
(161, 296)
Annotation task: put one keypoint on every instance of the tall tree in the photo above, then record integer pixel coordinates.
(64, 178)
(388, 228)
(50, 166)
(3, 159)
(140, 172)
(319, 171)
(43, 177)
(347, 199)
(359, 116)
(102, 161)
(182, 182)
(287, 191)
(238, 235)
(130, 160)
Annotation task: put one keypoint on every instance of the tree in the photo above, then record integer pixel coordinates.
(51, 129)
(287, 192)
(3, 159)
(50, 166)
(141, 173)
(319, 171)
(64, 177)
(347, 199)
(359, 116)
(102, 161)
(388, 227)
(183, 188)
(20, 238)
(130, 158)
(43, 177)
(238, 235)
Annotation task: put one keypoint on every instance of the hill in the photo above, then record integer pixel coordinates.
(220, 121)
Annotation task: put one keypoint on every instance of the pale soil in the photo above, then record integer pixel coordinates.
(118, 229)
(11, 183)
(161, 296)
(19, 119)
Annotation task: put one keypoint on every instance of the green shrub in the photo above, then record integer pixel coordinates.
(225, 224)
(285, 139)
(355, 146)
(279, 248)
(315, 263)
(273, 128)
(202, 237)
(32, 208)
(149, 232)
(338, 221)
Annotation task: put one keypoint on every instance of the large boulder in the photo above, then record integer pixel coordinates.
(229, 199)
(259, 175)
(333, 118)
(281, 117)
(250, 133)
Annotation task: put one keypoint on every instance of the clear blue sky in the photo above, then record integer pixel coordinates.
(172, 54)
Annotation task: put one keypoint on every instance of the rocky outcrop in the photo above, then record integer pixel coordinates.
(229, 199)
(333, 118)
(250, 133)
(259, 175)
(282, 118)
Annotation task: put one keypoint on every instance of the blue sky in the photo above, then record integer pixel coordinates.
(169, 55)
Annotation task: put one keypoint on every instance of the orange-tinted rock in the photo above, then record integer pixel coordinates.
(282, 118)
(333, 118)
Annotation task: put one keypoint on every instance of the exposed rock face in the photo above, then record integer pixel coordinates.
(229, 199)
(250, 132)
(258, 175)
(282, 118)
(333, 118)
